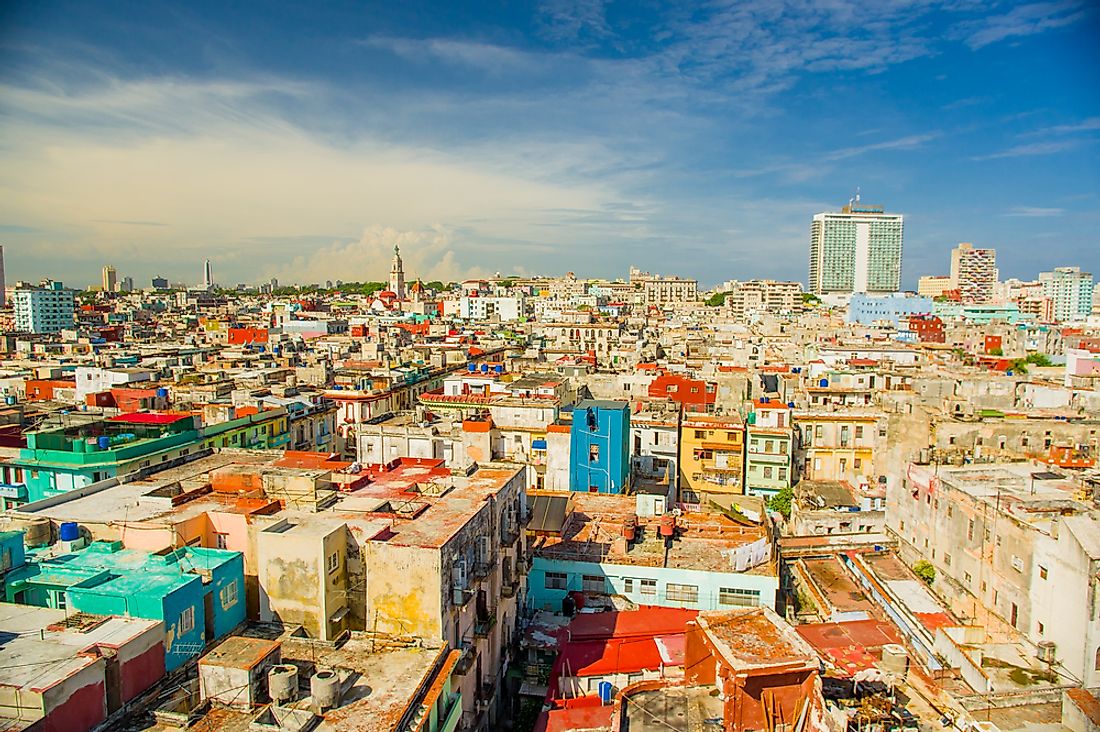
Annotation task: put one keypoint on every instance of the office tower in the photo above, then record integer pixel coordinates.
(110, 278)
(1070, 291)
(974, 273)
(3, 284)
(127, 284)
(856, 250)
(207, 275)
(45, 309)
(160, 283)
(397, 275)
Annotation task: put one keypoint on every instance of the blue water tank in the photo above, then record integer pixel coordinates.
(484, 368)
(605, 691)
(1008, 373)
(823, 383)
(499, 368)
(162, 393)
(9, 400)
(790, 405)
(472, 368)
(765, 400)
(69, 531)
(104, 442)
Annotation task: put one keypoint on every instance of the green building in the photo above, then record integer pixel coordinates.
(769, 448)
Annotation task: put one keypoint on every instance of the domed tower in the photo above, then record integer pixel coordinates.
(397, 275)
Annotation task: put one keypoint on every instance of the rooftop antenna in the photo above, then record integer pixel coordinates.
(857, 194)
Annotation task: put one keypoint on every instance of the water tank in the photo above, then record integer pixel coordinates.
(484, 368)
(895, 659)
(605, 690)
(104, 442)
(1046, 651)
(471, 367)
(9, 399)
(37, 532)
(790, 405)
(823, 383)
(499, 368)
(69, 531)
(324, 689)
(162, 393)
(282, 683)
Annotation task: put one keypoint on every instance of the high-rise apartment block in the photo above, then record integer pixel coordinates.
(1070, 290)
(974, 273)
(207, 275)
(3, 284)
(46, 309)
(110, 279)
(856, 250)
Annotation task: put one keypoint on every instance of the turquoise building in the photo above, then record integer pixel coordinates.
(600, 447)
(197, 593)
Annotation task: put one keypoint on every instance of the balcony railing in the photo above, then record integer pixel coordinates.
(466, 660)
(483, 626)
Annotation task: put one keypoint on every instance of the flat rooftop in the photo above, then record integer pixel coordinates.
(681, 708)
(36, 652)
(752, 637)
(704, 540)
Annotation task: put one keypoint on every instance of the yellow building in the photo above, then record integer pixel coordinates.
(839, 446)
(711, 455)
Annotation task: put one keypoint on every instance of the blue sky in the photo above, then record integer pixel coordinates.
(303, 142)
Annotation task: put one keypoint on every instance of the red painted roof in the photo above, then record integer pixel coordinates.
(149, 418)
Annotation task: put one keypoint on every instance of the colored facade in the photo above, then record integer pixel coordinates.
(856, 250)
(927, 329)
(197, 593)
(974, 273)
(769, 448)
(712, 455)
(838, 446)
(600, 447)
(46, 309)
(69, 458)
(893, 309)
(696, 395)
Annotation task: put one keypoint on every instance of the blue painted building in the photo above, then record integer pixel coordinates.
(197, 593)
(869, 309)
(600, 447)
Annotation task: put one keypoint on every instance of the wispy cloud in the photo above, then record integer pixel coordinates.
(1030, 149)
(1035, 212)
(1091, 124)
(818, 165)
(574, 20)
(1024, 20)
(124, 222)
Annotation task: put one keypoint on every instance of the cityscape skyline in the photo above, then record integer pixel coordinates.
(524, 139)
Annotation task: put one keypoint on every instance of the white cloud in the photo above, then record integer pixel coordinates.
(1035, 212)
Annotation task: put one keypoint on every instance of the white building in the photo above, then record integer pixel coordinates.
(47, 309)
(92, 379)
(487, 308)
(1070, 289)
(856, 250)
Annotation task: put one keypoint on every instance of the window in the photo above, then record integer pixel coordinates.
(738, 597)
(628, 585)
(649, 587)
(947, 560)
(700, 434)
(228, 595)
(1039, 626)
(1042, 572)
(221, 540)
(593, 583)
(859, 432)
(556, 580)
(187, 621)
(333, 562)
(593, 453)
(769, 446)
(858, 463)
(768, 472)
(682, 593)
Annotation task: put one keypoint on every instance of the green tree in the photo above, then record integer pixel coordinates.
(1018, 366)
(781, 501)
(998, 351)
(1038, 359)
(808, 298)
(718, 298)
(925, 571)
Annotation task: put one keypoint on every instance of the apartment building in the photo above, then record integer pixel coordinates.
(769, 451)
(712, 455)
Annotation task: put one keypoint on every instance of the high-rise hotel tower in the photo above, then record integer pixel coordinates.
(856, 250)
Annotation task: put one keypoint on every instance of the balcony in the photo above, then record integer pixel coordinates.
(465, 661)
(484, 625)
(481, 570)
(510, 586)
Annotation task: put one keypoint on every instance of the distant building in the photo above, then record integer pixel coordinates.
(160, 283)
(711, 455)
(207, 275)
(397, 275)
(769, 448)
(856, 250)
(3, 283)
(762, 296)
(127, 284)
(600, 447)
(1070, 290)
(110, 279)
(934, 286)
(664, 290)
(892, 309)
(47, 309)
(974, 273)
